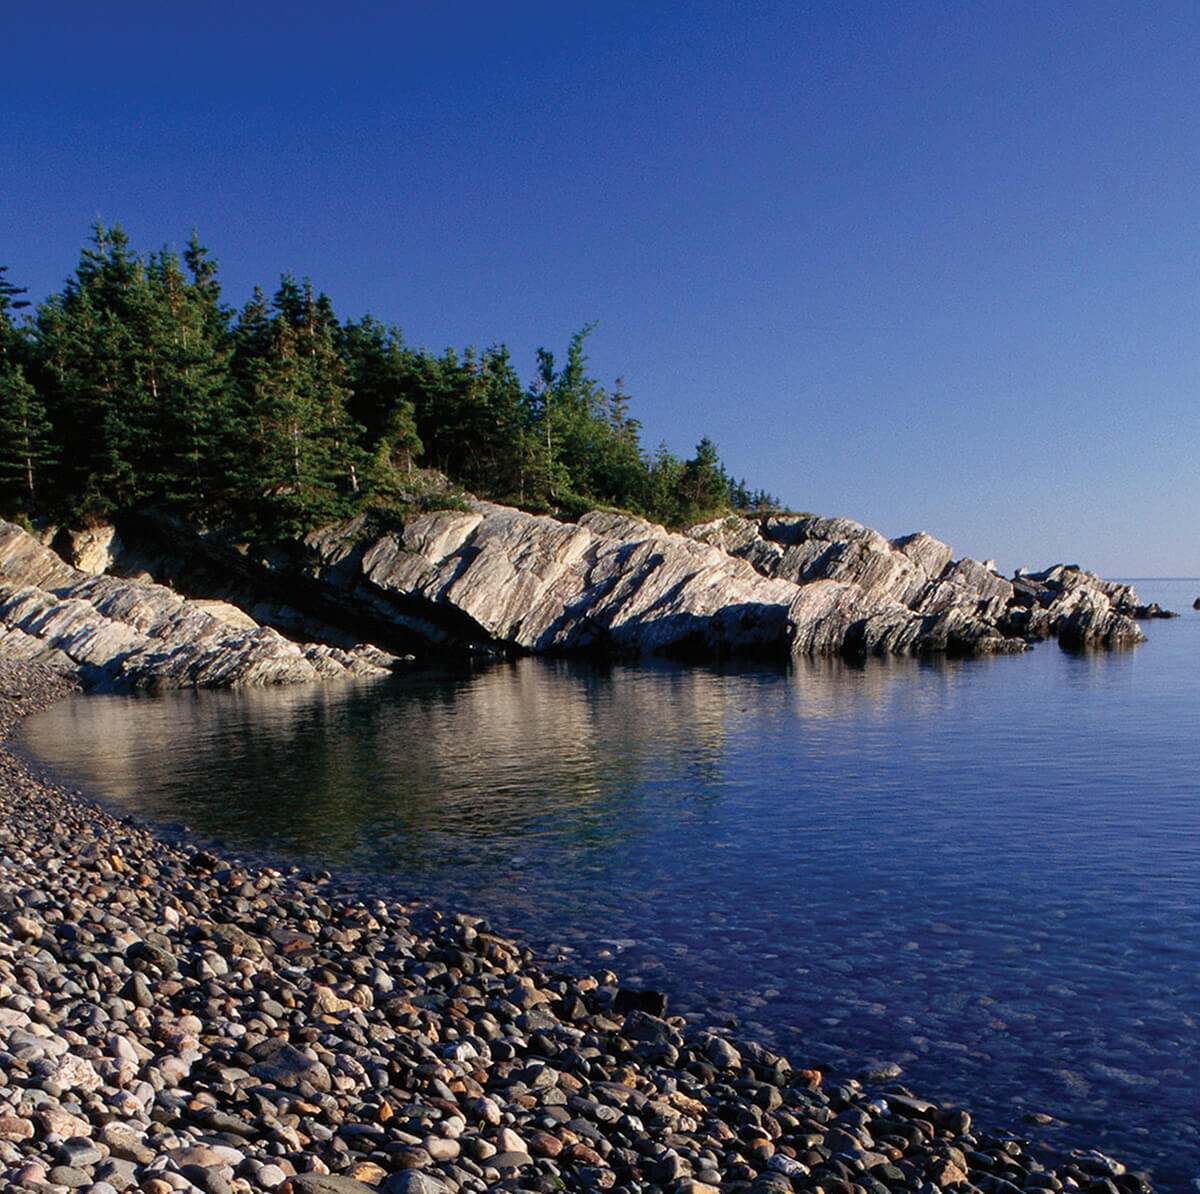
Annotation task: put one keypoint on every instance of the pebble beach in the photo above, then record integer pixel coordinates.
(171, 1019)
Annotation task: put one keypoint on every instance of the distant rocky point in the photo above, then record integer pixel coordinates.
(495, 580)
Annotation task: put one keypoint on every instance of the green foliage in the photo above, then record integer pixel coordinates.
(9, 302)
(304, 455)
(432, 502)
(26, 439)
(135, 386)
(134, 370)
(376, 376)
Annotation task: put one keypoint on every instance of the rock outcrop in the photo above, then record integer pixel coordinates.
(112, 632)
(610, 583)
(491, 579)
(963, 607)
(494, 576)
(1078, 608)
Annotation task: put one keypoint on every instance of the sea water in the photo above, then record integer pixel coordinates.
(986, 871)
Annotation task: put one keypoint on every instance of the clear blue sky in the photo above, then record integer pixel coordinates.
(926, 265)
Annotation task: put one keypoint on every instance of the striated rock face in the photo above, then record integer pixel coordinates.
(612, 583)
(492, 579)
(109, 631)
(908, 595)
(1080, 609)
(498, 576)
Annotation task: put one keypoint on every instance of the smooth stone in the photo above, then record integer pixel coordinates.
(328, 1183)
(413, 1181)
(79, 1151)
(69, 1176)
(510, 1160)
(15, 1128)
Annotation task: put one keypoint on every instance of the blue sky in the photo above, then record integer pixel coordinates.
(929, 266)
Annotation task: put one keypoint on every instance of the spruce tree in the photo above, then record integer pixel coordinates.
(135, 359)
(377, 376)
(26, 440)
(187, 351)
(9, 302)
(303, 457)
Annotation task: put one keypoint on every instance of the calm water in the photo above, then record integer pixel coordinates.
(987, 871)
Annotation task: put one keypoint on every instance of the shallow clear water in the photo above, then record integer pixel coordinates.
(987, 871)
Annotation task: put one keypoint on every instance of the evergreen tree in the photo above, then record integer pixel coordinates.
(136, 386)
(186, 353)
(664, 500)
(704, 484)
(136, 363)
(377, 375)
(573, 409)
(502, 444)
(622, 473)
(9, 302)
(26, 439)
(87, 360)
(303, 455)
(548, 479)
(14, 345)
(587, 444)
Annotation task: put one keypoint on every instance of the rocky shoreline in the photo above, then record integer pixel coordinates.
(172, 1020)
(351, 597)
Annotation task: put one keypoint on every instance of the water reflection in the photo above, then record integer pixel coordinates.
(518, 753)
(432, 759)
(988, 871)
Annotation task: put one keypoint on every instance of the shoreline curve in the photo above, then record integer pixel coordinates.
(174, 1020)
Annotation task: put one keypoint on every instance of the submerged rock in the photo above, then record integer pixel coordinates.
(349, 1043)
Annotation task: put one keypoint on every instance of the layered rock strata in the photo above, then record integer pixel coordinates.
(909, 594)
(494, 579)
(107, 631)
(614, 583)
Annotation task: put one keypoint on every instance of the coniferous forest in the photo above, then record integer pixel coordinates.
(136, 386)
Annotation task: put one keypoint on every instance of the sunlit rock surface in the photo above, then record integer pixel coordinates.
(109, 631)
(494, 579)
(616, 583)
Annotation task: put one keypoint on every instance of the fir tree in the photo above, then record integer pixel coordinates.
(377, 379)
(134, 386)
(9, 302)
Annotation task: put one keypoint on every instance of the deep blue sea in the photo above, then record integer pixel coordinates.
(987, 871)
